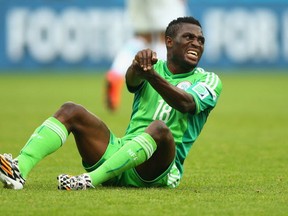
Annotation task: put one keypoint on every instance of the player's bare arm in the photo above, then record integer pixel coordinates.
(174, 96)
(132, 78)
(141, 69)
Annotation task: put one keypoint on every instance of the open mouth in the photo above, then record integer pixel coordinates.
(193, 54)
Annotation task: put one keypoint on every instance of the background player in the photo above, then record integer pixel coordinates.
(149, 19)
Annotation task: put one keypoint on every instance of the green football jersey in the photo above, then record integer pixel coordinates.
(148, 105)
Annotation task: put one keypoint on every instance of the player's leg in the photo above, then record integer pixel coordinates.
(130, 155)
(158, 171)
(137, 12)
(114, 84)
(90, 133)
(133, 153)
(47, 138)
(91, 136)
(164, 155)
(116, 75)
(138, 150)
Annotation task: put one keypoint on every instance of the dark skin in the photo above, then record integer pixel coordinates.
(179, 60)
(91, 133)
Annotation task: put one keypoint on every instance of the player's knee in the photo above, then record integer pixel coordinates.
(72, 108)
(68, 111)
(159, 131)
(163, 137)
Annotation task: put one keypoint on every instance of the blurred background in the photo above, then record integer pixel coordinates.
(72, 34)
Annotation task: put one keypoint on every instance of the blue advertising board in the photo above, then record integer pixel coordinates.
(88, 34)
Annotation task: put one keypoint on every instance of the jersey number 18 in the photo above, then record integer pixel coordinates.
(162, 112)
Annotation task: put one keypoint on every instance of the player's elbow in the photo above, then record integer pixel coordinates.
(187, 107)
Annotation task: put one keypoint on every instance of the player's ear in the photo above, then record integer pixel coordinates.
(168, 42)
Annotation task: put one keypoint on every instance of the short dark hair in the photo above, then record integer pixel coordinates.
(174, 25)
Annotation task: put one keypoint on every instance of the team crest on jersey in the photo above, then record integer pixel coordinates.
(184, 85)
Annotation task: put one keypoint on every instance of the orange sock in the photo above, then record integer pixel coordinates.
(114, 86)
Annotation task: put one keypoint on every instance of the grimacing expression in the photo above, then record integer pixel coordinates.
(188, 45)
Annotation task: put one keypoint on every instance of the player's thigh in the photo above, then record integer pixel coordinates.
(90, 132)
(92, 136)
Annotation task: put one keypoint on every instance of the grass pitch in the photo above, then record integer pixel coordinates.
(238, 166)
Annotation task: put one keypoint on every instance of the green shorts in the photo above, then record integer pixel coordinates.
(130, 178)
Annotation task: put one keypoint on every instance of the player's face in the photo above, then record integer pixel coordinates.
(188, 46)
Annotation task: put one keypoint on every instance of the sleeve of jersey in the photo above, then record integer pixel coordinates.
(206, 92)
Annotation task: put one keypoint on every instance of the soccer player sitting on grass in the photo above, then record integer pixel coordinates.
(172, 102)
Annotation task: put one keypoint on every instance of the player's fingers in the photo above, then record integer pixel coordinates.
(146, 60)
(138, 60)
(149, 56)
(154, 58)
(142, 55)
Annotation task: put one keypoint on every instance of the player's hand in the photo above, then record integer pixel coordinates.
(141, 68)
(145, 59)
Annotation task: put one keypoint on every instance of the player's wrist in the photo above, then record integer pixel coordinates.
(151, 76)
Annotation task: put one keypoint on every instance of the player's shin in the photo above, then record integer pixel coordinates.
(45, 140)
(130, 155)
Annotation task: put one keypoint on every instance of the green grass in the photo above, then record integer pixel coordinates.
(238, 166)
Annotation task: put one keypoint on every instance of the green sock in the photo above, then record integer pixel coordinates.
(130, 155)
(46, 139)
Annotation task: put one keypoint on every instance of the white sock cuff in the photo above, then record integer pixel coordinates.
(147, 143)
(58, 128)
